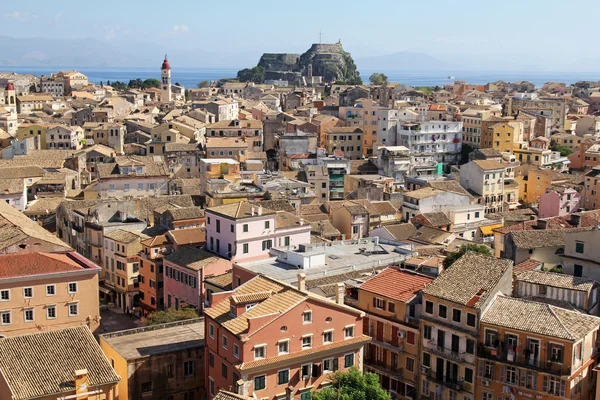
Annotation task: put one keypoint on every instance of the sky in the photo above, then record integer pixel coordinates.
(513, 34)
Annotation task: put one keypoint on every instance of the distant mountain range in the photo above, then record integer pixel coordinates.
(404, 61)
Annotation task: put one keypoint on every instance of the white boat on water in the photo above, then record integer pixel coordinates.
(451, 77)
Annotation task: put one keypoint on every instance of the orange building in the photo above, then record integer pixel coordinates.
(532, 350)
(392, 302)
(268, 340)
(47, 291)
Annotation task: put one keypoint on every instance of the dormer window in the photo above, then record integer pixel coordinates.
(307, 317)
(260, 352)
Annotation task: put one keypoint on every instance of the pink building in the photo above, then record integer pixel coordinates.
(185, 271)
(245, 232)
(559, 201)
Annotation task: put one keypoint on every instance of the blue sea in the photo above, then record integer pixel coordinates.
(189, 77)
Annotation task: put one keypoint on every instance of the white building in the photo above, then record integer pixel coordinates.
(65, 137)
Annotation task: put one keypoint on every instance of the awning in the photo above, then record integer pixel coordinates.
(487, 230)
(105, 290)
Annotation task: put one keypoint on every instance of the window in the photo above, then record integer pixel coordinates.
(391, 307)
(511, 375)
(307, 317)
(189, 368)
(410, 337)
(50, 290)
(410, 364)
(348, 360)
(73, 287)
(28, 313)
(4, 295)
(236, 350)
(260, 382)
(224, 342)
(306, 371)
(259, 352)
(487, 396)
(211, 385)
(456, 315)
(470, 346)
(245, 248)
(283, 377)
(224, 370)
(380, 303)
(283, 347)
(111, 188)
(429, 307)
(327, 337)
(267, 244)
(491, 337)
(427, 332)
(306, 342)
(73, 309)
(442, 311)
(427, 359)
(245, 228)
(469, 375)
(348, 332)
(5, 317)
(471, 319)
(126, 187)
(218, 226)
(146, 387)
(211, 331)
(267, 224)
(140, 186)
(50, 312)
(556, 353)
(330, 365)
(579, 247)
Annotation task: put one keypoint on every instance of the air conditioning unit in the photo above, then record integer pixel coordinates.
(485, 383)
(406, 319)
(402, 334)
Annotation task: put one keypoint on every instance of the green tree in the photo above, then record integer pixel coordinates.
(475, 248)
(170, 315)
(353, 385)
(150, 83)
(378, 78)
(203, 84)
(255, 74)
(563, 150)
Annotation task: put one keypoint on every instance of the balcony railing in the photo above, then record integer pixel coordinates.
(440, 350)
(454, 384)
(504, 355)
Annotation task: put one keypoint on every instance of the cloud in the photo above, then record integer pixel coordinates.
(20, 16)
(179, 30)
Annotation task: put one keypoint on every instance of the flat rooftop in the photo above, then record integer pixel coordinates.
(137, 343)
(339, 259)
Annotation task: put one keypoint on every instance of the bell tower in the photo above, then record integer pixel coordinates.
(165, 84)
(10, 98)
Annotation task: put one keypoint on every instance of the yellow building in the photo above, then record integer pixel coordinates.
(504, 137)
(391, 300)
(534, 182)
(453, 305)
(26, 131)
(346, 139)
(532, 350)
(47, 291)
(62, 364)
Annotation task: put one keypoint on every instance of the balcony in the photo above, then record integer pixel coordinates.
(440, 350)
(383, 369)
(503, 355)
(453, 383)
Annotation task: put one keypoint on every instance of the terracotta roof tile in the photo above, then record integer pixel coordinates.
(223, 281)
(28, 264)
(396, 284)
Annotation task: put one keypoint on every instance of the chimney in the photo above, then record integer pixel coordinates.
(259, 210)
(253, 211)
(302, 282)
(340, 293)
(81, 381)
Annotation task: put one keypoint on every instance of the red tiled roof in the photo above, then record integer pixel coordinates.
(527, 265)
(28, 264)
(396, 284)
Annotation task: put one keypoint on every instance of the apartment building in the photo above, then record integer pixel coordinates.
(453, 305)
(550, 107)
(159, 362)
(392, 302)
(47, 291)
(486, 179)
(249, 130)
(431, 143)
(348, 140)
(428, 199)
(121, 265)
(581, 254)
(559, 201)
(244, 232)
(65, 138)
(267, 339)
(530, 349)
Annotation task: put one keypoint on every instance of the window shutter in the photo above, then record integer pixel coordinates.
(545, 384)
(523, 377)
(481, 369)
(374, 302)
(366, 325)
(316, 370)
(502, 373)
(562, 388)
(335, 364)
(534, 381)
